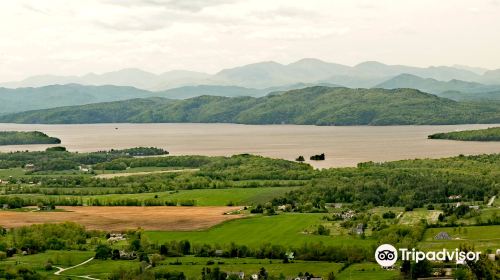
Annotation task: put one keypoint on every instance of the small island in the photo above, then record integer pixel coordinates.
(488, 134)
(26, 138)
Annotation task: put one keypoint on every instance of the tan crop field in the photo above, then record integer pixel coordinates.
(167, 218)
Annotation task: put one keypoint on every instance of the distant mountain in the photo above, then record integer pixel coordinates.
(269, 74)
(23, 99)
(313, 105)
(126, 77)
(453, 89)
(477, 70)
(491, 77)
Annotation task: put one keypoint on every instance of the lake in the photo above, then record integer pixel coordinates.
(343, 145)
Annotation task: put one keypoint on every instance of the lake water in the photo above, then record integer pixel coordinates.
(343, 146)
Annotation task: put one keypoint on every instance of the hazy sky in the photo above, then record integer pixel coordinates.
(76, 37)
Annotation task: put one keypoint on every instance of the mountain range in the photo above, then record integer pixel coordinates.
(268, 74)
(453, 89)
(317, 105)
(460, 83)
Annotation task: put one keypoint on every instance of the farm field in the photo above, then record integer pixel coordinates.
(284, 229)
(123, 217)
(481, 237)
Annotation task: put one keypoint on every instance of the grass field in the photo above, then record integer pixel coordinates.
(362, 271)
(284, 229)
(14, 172)
(57, 258)
(481, 237)
(211, 197)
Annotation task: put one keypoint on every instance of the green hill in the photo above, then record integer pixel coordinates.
(23, 99)
(488, 134)
(313, 105)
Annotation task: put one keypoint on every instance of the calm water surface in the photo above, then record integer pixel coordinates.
(343, 146)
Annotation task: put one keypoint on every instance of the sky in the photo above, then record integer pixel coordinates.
(64, 37)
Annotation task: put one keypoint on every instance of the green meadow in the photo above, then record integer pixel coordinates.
(284, 229)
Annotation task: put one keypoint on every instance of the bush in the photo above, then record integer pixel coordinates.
(56, 149)
(318, 157)
(103, 252)
(389, 215)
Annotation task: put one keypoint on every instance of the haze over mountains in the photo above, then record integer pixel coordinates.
(268, 74)
(255, 80)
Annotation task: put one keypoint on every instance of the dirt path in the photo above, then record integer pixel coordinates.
(65, 269)
(492, 199)
(113, 175)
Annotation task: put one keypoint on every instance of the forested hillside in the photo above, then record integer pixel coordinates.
(313, 105)
(489, 134)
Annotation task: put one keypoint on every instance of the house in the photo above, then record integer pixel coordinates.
(83, 168)
(346, 215)
(5, 206)
(442, 236)
(219, 252)
(46, 208)
(115, 237)
(29, 167)
(241, 274)
(127, 256)
(491, 257)
(360, 229)
(453, 197)
(475, 207)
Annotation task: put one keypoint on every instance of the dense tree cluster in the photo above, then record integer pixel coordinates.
(412, 183)
(57, 159)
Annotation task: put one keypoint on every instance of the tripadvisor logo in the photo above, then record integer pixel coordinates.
(386, 255)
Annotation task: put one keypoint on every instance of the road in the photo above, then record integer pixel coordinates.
(113, 175)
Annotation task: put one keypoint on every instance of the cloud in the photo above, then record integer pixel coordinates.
(184, 5)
